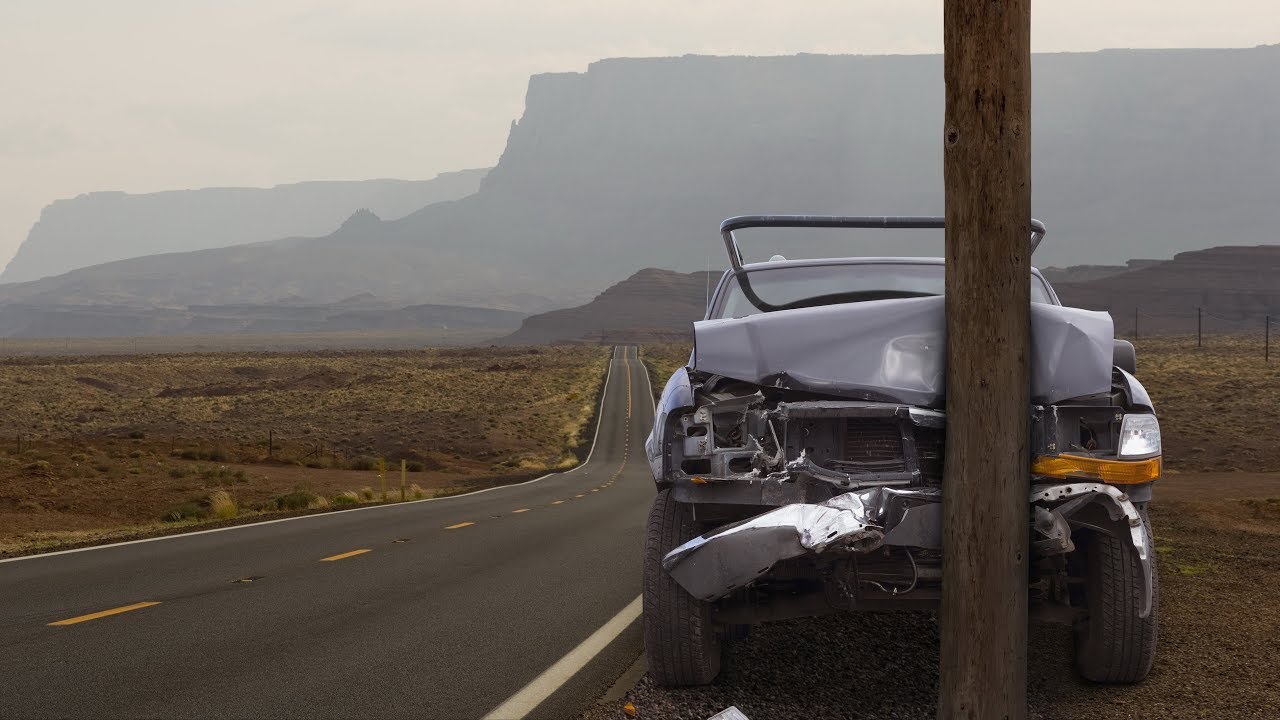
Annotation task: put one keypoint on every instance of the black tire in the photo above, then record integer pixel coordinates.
(1114, 644)
(681, 644)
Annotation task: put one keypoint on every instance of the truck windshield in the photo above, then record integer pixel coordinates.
(789, 287)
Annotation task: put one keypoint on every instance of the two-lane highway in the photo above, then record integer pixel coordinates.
(521, 597)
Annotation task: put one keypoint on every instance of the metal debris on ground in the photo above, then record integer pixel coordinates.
(730, 713)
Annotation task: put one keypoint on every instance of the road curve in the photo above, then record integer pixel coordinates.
(454, 607)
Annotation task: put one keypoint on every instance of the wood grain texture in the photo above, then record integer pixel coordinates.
(987, 169)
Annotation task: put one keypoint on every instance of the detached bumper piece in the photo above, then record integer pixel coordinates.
(731, 557)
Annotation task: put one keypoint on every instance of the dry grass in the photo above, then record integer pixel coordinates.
(1219, 405)
(114, 441)
(662, 359)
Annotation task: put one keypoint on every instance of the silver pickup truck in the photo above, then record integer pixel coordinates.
(799, 458)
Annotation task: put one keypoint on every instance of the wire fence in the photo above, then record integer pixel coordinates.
(1200, 323)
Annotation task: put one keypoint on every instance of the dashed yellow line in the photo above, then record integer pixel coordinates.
(580, 496)
(556, 502)
(345, 555)
(513, 512)
(459, 525)
(103, 613)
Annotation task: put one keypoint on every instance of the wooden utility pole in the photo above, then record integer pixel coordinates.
(985, 516)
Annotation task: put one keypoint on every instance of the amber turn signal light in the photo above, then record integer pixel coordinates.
(1116, 472)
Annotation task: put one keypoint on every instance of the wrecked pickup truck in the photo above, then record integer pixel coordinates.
(799, 460)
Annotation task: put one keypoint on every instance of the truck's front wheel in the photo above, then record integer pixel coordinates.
(681, 644)
(1113, 643)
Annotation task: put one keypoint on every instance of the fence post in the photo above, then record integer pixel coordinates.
(402, 479)
(382, 477)
(1266, 343)
(1198, 325)
(1135, 322)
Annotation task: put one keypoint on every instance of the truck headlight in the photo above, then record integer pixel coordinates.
(1139, 437)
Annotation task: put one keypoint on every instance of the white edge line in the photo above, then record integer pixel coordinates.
(540, 688)
(596, 436)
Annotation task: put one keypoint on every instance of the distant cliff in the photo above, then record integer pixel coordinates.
(1137, 153)
(103, 226)
(1237, 285)
(650, 303)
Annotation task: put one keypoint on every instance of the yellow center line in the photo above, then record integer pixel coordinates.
(582, 495)
(520, 510)
(595, 489)
(104, 613)
(556, 502)
(345, 555)
(459, 525)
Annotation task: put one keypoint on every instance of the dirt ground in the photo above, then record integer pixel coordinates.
(88, 444)
(1218, 548)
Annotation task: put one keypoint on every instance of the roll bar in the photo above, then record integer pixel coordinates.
(741, 222)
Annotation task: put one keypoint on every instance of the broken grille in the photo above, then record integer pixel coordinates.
(871, 447)
(876, 446)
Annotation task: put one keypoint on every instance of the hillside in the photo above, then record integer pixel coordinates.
(650, 303)
(103, 226)
(350, 316)
(1137, 153)
(1238, 284)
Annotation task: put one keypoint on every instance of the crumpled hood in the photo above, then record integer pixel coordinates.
(895, 350)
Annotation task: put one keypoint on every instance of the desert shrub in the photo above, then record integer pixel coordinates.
(102, 467)
(192, 454)
(295, 500)
(137, 435)
(417, 492)
(135, 471)
(136, 454)
(192, 510)
(366, 493)
(314, 463)
(222, 505)
(39, 466)
(179, 471)
(415, 466)
(364, 462)
(218, 455)
(346, 497)
(240, 476)
(79, 457)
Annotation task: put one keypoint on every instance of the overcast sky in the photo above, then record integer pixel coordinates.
(164, 94)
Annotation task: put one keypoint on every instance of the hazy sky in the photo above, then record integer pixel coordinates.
(164, 94)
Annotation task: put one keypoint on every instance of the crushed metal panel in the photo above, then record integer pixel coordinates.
(730, 713)
(885, 350)
(895, 350)
(717, 563)
(1071, 353)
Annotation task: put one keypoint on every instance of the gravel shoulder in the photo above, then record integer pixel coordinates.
(1218, 541)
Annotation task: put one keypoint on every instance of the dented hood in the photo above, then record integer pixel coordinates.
(895, 350)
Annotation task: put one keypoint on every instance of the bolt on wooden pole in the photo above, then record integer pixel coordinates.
(985, 525)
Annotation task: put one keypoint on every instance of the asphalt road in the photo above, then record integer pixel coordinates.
(523, 595)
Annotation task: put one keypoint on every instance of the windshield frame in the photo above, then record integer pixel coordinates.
(719, 296)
